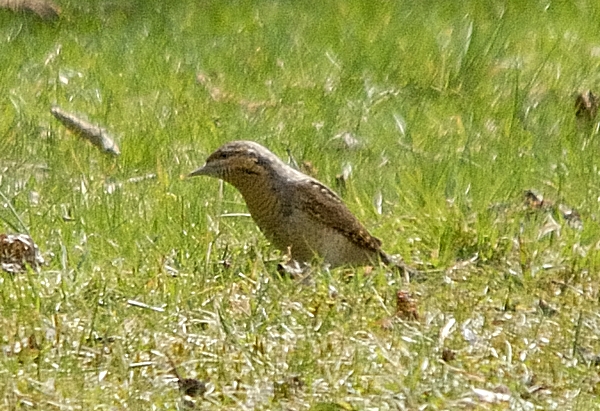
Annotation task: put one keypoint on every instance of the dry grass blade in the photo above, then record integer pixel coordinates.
(47, 10)
(97, 135)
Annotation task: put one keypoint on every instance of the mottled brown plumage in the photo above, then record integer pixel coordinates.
(294, 211)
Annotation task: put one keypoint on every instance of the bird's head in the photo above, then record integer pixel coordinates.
(238, 160)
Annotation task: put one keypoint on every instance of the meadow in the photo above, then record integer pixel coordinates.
(430, 119)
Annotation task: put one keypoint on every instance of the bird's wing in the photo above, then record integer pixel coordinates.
(326, 207)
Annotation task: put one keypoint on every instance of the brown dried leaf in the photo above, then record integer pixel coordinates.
(406, 306)
(534, 201)
(537, 202)
(17, 251)
(448, 355)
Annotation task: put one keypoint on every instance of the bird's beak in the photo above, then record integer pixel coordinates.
(202, 171)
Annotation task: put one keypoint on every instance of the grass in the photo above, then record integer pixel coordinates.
(458, 108)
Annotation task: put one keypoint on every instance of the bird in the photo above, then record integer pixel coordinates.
(299, 215)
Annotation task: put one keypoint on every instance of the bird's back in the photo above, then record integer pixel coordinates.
(308, 218)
